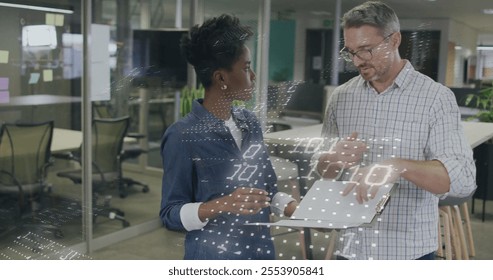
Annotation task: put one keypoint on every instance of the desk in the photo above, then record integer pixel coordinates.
(41, 107)
(163, 100)
(293, 121)
(40, 99)
(475, 132)
(68, 140)
(291, 138)
(65, 140)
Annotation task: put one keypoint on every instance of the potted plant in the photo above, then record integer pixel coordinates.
(188, 95)
(483, 100)
(483, 154)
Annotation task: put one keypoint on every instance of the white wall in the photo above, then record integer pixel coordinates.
(463, 35)
(465, 38)
(303, 22)
(485, 39)
(486, 56)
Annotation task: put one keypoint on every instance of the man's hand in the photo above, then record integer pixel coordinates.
(344, 154)
(366, 181)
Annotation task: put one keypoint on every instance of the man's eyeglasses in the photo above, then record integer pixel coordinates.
(365, 55)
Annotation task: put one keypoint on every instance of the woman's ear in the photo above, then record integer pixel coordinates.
(218, 77)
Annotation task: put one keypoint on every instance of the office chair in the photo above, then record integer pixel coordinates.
(130, 150)
(24, 159)
(107, 142)
(278, 126)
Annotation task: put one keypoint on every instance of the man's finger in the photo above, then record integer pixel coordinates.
(373, 191)
(353, 136)
(348, 189)
(362, 193)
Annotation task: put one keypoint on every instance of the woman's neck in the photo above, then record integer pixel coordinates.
(220, 108)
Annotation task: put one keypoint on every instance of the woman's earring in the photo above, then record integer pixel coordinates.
(224, 87)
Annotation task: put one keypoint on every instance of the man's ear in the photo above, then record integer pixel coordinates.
(396, 40)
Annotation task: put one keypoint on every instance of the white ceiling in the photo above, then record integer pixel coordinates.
(467, 12)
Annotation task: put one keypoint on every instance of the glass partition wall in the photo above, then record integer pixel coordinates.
(135, 73)
(40, 70)
(41, 75)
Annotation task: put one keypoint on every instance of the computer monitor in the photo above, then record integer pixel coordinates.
(156, 54)
(305, 100)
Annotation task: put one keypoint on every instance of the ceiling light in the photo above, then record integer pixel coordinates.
(321, 13)
(37, 8)
(488, 11)
(485, 48)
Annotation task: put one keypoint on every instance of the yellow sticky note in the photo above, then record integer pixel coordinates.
(59, 20)
(4, 56)
(47, 75)
(50, 19)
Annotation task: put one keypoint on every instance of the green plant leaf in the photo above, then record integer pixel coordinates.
(483, 101)
(187, 96)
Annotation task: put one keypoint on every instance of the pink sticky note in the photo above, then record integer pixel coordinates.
(4, 97)
(4, 83)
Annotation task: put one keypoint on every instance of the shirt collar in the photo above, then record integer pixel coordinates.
(239, 117)
(403, 77)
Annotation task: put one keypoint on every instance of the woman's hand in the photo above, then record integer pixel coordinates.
(243, 201)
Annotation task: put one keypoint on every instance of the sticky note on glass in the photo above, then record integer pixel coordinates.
(50, 19)
(4, 56)
(47, 75)
(34, 78)
(4, 83)
(59, 20)
(4, 97)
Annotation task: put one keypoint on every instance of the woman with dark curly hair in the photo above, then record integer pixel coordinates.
(217, 173)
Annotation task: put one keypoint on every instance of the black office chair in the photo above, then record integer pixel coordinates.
(130, 150)
(278, 126)
(24, 159)
(107, 142)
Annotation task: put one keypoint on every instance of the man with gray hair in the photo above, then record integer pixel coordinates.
(394, 120)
